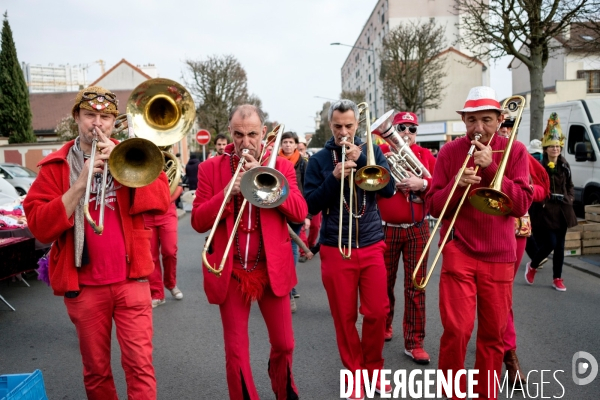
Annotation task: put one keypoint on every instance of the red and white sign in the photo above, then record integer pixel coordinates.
(203, 137)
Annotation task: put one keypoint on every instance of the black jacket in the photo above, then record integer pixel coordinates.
(191, 173)
(553, 213)
(322, 193)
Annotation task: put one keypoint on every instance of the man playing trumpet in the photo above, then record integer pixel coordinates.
(260, 265)
(102, 277)
(364, 272)
(406, 232)
(478, 267)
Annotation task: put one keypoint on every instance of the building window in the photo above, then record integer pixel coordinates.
(369, 77)
(369, 96)
(369, 58)
(592, 78)
(368, 40)
(382, 18)
(357, 73)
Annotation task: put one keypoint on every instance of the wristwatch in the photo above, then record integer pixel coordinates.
(424, 185)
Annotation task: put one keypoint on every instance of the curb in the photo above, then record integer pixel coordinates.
(580, 264)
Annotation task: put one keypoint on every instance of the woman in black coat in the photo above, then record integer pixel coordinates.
(551, 218)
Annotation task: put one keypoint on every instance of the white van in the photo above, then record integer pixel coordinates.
(580, 122)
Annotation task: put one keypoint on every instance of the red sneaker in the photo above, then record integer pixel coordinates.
(387, 390)
(357, 395)
(389, 332)
(559, 285)
(529, 273)
(419, 355)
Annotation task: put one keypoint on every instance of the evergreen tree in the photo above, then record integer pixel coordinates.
(15, 110)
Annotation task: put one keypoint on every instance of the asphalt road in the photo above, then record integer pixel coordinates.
(188, 349)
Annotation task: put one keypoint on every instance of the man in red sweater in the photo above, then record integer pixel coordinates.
(102, 277)
(478, 268)
(406, 232)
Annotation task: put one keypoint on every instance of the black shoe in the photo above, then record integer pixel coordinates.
(295, 294)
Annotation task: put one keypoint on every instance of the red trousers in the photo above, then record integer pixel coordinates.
(164, 242)
(510, 334)
(313, 233)
(92, 312)
(344, 280)
(468, 286)
(235, 312)
(408, 242)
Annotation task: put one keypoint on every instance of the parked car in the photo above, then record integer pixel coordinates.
(580, 124)
(8, 193)
(18, 176)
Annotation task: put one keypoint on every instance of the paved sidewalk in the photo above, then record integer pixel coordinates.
(586, 263)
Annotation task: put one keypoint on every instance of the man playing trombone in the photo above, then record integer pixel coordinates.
(478, 263)
(361, 268)
(102, 277)
(260, 265)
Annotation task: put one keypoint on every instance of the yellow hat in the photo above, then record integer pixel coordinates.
(553, 135)
(96, 98)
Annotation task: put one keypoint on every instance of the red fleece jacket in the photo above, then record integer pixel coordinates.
(213, 176)
(47, 220)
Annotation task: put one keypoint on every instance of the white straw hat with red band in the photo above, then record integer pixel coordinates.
(481, 98)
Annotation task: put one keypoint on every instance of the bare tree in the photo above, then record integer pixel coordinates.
(218, 84)
(323, 133)
(412, 71)
(526, 29)
(67, 129)
(357, 96)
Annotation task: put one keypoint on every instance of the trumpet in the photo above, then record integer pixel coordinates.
(262, 182)
(403, 160)
(135, 162)
(160, 112)
(489, 200)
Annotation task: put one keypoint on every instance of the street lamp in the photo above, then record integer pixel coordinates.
(374, 76)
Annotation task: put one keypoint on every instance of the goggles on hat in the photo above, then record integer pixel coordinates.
(93, 95)
(411, 128)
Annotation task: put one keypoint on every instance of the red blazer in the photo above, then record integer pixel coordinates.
(47, 220)
(213, 176)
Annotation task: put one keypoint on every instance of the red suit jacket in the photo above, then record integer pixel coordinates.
(47, 220)
(213, 176)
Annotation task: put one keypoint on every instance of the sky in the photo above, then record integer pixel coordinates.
(284, 46)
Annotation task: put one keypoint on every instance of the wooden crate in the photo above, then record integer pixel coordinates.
(574, 252)
(590, 242)
(573, 244)
(591, 250)
(592, 213)
(574, 235)
(591, 226)
(590, 235)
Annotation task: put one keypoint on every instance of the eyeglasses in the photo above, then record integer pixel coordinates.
(411, 128)
(93, 95)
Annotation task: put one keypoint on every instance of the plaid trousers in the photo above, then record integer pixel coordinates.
(409, 242)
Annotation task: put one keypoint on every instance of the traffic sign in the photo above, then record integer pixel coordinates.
(203, 137)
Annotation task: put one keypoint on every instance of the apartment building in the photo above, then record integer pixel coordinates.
(362, 66)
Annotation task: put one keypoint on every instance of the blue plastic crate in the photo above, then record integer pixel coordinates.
(23, 386)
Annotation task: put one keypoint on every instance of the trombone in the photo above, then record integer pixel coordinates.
(489, 200)
(273, 196)
(371, 177)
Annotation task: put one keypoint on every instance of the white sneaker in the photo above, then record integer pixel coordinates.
(158, 302)
(176, 293)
